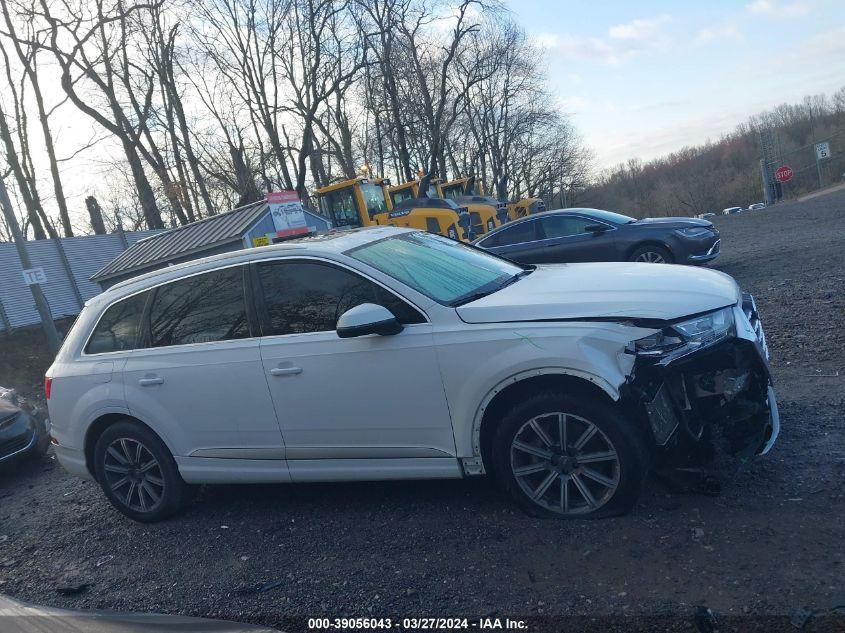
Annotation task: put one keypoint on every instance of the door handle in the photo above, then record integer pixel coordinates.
(285, 371)
(149, 382)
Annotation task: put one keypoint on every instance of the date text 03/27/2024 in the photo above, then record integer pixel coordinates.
(416, 624)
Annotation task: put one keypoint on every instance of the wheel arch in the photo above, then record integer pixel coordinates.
(503, 395)
(98, 427)
(650, 242)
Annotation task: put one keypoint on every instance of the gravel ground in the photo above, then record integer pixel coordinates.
(771, 542)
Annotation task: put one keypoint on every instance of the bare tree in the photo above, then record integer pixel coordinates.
(83, 40)
(27, 57)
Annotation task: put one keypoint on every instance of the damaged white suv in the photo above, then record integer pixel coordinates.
(394, 354)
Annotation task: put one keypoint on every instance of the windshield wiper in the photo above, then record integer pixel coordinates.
(518, 276)
(484, 291)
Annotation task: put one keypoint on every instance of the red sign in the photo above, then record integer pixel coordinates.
(288, 217)
(784, 174)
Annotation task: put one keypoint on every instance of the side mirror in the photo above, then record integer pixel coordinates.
(596, 229)
(367, 318)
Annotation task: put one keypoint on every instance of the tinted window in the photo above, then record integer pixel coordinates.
(118, 327)
(303, 297)
(432, 225)
(563, 226)
(340, 206)
(200, 309)
(516, 234)
(373, 198)
(402, 194)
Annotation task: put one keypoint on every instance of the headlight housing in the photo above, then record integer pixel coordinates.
(696, 332)
(694, 231)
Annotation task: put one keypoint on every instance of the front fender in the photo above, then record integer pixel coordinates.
(478, 363)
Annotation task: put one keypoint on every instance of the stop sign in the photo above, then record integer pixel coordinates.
(784, 174)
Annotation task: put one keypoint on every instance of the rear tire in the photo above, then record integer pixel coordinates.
(137, 473)
(652, 254)
(596, 470)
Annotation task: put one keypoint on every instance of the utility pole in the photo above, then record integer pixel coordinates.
(40, 301)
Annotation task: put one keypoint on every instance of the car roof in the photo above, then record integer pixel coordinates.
(333, 242)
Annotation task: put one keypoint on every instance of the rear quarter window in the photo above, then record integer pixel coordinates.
(118, 328)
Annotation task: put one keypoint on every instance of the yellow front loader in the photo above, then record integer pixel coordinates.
(361, 202)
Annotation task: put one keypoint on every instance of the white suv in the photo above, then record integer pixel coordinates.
(387, 353)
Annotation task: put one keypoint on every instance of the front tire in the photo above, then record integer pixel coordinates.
(652, 254)
(137, 473)
(569, 457)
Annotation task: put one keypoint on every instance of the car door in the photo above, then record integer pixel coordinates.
(517, 241)
(565, 238)
(199, 380)
(366, 397)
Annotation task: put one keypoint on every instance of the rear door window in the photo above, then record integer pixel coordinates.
(203, 308)
(564, 226)
(118, 328)
(516, 234)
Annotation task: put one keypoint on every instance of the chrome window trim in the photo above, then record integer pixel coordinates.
(611, 227)
(506, 228)
(324, 260)
(539, 218)
(148, 289)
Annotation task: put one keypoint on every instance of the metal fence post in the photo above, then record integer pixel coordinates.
(69, 272)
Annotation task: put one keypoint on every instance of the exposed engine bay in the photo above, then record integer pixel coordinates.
(706, 400)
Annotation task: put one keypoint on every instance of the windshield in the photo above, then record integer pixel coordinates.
(401, 194)
(441, 269)
(453, 191)
(607, 216)
(373, 198)
(339, 206)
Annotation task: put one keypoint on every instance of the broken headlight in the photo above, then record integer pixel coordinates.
(708, 328)
(701, 330)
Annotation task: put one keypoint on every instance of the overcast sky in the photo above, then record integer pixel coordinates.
(645, 78)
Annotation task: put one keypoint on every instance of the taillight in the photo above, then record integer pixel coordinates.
(48, 386)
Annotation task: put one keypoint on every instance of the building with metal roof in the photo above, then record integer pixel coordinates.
(244, 227)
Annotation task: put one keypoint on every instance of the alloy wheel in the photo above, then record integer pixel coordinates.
(134, 475)
(564, 463)
(650, 257)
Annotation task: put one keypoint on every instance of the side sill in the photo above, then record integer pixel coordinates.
(212, 470)
(374, 469)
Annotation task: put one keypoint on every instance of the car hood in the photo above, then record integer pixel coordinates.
(7, 410)
(605, 290)
(673, 222)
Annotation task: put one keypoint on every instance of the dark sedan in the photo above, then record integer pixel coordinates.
(592, 235)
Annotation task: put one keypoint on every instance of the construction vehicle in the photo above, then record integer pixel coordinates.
(411, 189)
(487, 213)
(483, 214)
(460, 188)
(457, 187)
(524, 207)
(362, 201)
(354, 202)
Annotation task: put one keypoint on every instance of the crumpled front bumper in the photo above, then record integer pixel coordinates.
(718, 398)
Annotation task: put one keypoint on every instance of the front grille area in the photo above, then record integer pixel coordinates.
(14, 445)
